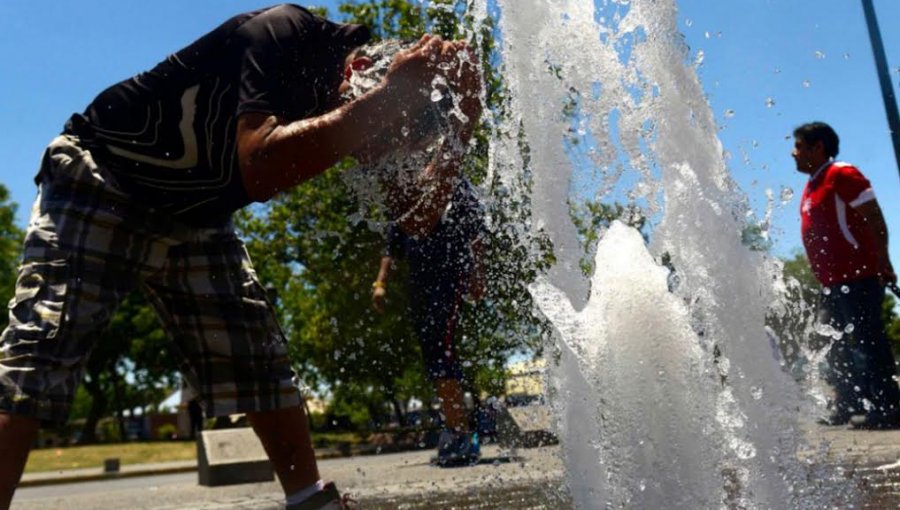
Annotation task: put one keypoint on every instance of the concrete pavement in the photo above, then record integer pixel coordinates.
(381, 481)
(533, 479)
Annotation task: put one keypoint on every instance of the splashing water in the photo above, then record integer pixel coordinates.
(667, 396)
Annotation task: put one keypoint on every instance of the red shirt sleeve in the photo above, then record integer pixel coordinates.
(852, 186)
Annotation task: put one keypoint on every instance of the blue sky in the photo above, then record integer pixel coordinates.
(812, 59)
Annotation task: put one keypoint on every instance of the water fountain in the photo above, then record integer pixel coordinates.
(667, 396)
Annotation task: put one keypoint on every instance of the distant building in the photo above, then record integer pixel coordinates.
(525, 382)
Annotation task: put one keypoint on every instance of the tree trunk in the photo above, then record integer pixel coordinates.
(98, 407)
(398, 410)
(120, 417)
(391, 394)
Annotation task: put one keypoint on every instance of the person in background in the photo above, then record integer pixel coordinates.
(138, 193)
(444, 266)
(846, 241)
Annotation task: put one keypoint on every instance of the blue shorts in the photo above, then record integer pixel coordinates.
(435, 308)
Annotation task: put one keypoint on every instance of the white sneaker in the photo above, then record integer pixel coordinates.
(326, 499)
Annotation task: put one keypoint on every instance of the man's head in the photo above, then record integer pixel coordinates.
(814, 144)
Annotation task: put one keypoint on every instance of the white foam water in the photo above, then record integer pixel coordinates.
(667, 396)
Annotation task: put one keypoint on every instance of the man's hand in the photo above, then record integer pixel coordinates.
(465, 80)
(434, 63)
(379, 296)
(413, 70)
(379, 286)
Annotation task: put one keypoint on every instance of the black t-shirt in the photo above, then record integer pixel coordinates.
(168, 134)
(444, 257)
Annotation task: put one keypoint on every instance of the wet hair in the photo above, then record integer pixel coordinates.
(381, 54)
(814, 132)
(380, 50)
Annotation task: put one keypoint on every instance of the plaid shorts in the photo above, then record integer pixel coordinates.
(88, 245)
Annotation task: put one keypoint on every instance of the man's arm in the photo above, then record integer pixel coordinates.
(875, 220)
(379, 286)
(275, 155)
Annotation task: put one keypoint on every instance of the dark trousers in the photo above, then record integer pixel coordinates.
(861, 364)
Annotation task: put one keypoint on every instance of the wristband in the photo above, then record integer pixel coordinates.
(378, 284)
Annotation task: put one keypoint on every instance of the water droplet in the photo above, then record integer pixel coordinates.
(849, 328)
(846, 56)
(826, 291)
(404, 131)
(729, 113)
(698, 60)
(756, 392)
(820, 55)
(786, 194)
(845, 289)
(436, 95)
(642, 486)
(706, 34)
(770, 102)
(689, 22)
(807, 84)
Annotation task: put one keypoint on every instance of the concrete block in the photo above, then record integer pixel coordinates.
(231, 456)
(525, 426)
(111, 465)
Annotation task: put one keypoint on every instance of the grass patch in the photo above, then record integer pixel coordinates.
(92, 456)
(326, 439)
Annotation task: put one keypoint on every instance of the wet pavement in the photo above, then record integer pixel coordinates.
(530, 479)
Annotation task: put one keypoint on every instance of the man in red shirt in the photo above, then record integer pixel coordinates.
(846, 241)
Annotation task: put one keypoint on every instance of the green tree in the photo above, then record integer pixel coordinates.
(10, 247)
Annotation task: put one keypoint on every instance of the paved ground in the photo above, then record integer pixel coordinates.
(531, 481)
(381, 481)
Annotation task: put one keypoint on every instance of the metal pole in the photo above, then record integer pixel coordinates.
(887, 88)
